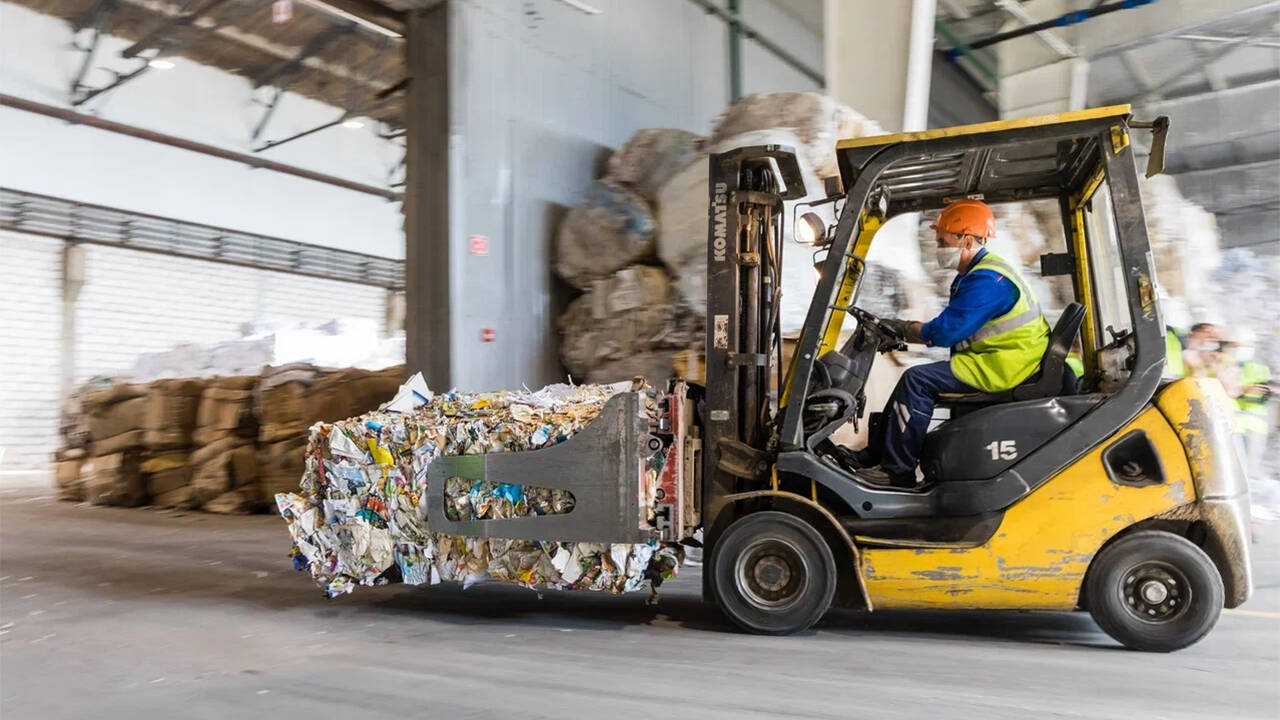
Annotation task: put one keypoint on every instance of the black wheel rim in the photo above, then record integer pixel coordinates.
(771, 574)
(1155, 592)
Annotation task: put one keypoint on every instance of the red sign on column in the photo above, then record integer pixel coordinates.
(488, 335)
(480, 245)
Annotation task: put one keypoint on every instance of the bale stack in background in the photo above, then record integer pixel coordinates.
(170, 421)
(115, 419)
(643, 307)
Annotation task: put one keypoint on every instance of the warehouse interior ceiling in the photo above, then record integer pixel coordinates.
(1218, 81)
(342, 52)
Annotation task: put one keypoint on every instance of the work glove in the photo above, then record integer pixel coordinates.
(899, 327)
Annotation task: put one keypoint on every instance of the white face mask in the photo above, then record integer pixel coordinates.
(949, 257)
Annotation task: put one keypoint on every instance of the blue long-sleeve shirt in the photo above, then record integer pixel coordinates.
(977, 296)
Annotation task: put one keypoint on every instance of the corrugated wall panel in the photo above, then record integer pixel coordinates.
(134, 302)
(30, 325)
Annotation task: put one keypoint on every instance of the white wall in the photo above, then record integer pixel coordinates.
(44, 155)
(538, 101)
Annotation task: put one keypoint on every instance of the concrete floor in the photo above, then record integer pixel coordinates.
(116, 613)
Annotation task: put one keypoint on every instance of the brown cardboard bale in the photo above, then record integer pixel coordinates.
(216, 448)
(170, 414)
(116, 480)
(282, 410)
(67, 476)
(280, 467)
(109, 420)
(165, 473)
(63, 454)
(233, 502)
(178, 498)
(167, 481)
(351, 392)
(115, 394)
(230, 470)
(233, 382)
(222, 412)
(119, 443)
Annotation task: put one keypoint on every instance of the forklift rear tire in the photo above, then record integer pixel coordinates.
(774, 573)
(1154, 591)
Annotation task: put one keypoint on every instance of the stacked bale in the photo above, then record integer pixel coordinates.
(115, 419)
(169, 421)
(643, 308)
(328, 397)
(221, 465)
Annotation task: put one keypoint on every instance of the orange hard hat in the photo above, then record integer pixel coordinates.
(967, 217)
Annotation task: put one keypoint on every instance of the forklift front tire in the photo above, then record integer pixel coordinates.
(774, 573)
(1154, 591)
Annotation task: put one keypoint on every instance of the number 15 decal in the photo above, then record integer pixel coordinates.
(1003, 449)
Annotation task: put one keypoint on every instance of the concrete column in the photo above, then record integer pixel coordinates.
(428, 341)
(72, 282)
(879, 57)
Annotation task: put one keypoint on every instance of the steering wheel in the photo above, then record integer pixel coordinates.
(890, 339)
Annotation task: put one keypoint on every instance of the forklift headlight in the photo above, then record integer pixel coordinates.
(810, 230)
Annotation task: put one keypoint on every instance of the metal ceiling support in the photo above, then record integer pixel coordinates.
(1196, 65)
(1264, 42)
(282, 75)
(163, 33)
(1054, 42)
(1067, 20)
(161, 37)
(76, 118)
(370, 14)
(749, 32)
(96, 18)
(960, 49)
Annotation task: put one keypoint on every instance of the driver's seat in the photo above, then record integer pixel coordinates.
(1049, 381)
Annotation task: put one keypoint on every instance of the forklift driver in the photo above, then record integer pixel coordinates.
(995, 330)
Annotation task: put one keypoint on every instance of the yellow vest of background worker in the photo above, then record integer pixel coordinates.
(1008, 348)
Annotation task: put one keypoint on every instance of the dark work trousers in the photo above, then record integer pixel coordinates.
(907, 414)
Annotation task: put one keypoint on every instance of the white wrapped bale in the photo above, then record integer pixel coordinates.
(610, 228)
(817, 120)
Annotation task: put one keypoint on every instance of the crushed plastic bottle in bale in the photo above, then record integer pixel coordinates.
(361, 518)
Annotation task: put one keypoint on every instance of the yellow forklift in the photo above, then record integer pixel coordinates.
(1122, 495)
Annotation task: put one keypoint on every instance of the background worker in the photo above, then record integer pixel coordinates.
(993, 325)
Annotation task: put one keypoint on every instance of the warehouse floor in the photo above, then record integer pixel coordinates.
(141, 613)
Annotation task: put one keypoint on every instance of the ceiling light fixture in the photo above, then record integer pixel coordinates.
(161, 64)
(353, 124)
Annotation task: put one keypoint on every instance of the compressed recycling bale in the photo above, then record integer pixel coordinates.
(230, 470)
(280, 467)
(351, 392)
(610, 227)
(166, 472)
(618, 316)
(654, 367)
(119, 443)
(222, 445)
(817, 120)
(109, 417)
(223, 412)
(652, 157)
(170, 415)
(281, 400)
(116, 480)
(361, 515)
(69, 482)
(177, 498)
(234, 502)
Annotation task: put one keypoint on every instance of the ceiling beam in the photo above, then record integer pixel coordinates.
(1233, 187)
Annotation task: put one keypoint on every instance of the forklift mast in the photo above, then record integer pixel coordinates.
(744, 262)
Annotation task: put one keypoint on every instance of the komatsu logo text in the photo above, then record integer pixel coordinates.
(720, 242)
